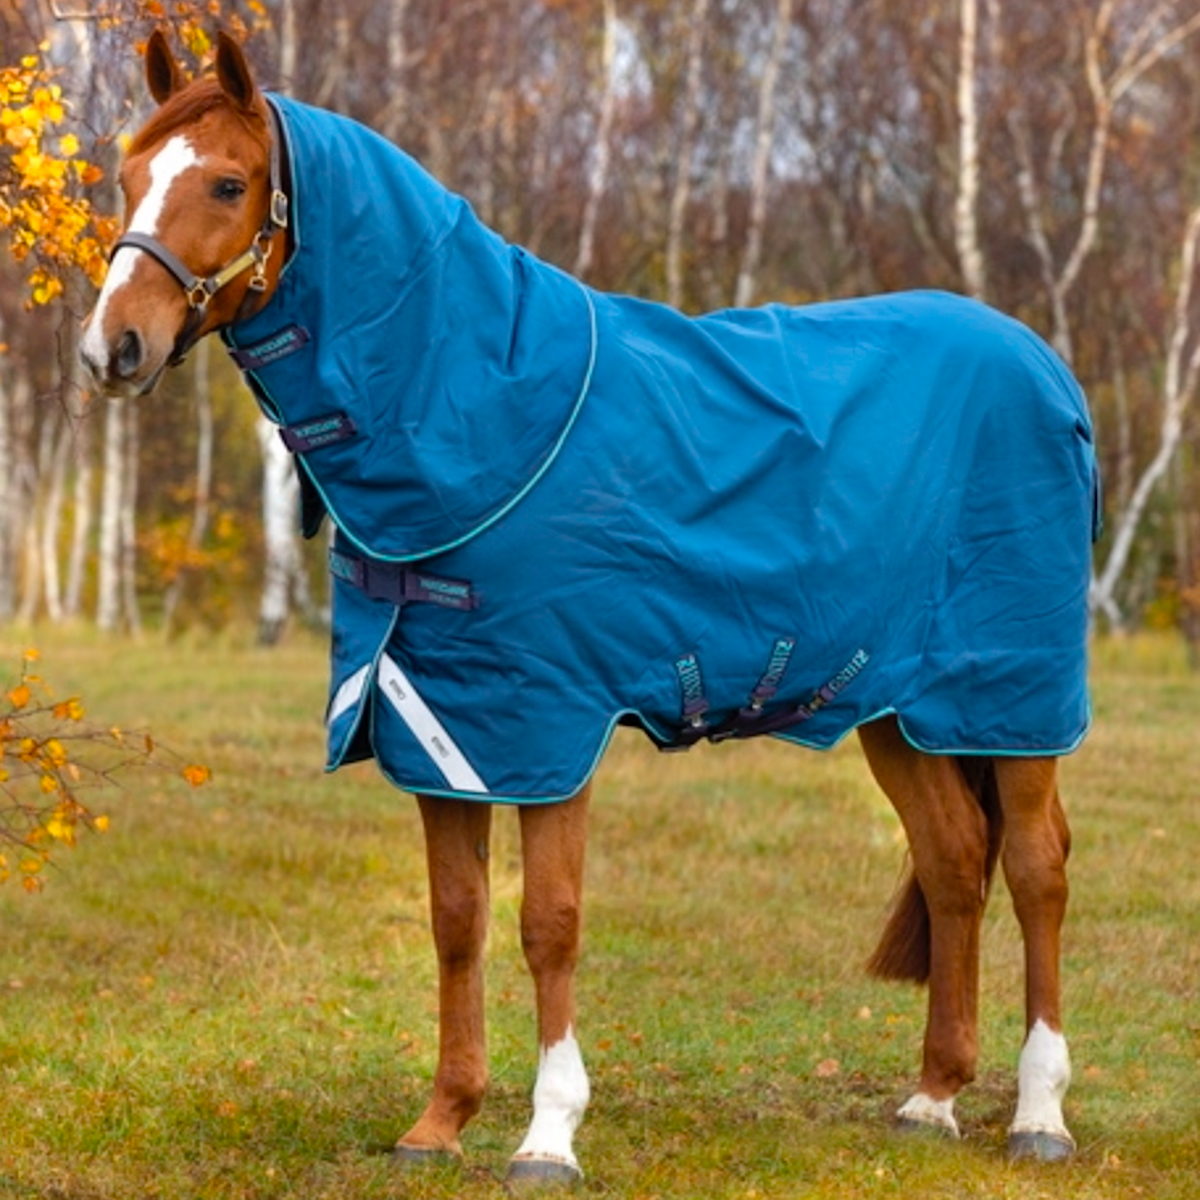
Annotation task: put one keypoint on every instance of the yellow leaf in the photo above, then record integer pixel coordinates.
(60, 830)
(100, 823)
(18, 697)
(196, 774)
(68, 145)
(197, 41)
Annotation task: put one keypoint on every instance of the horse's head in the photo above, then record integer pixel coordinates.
(205, 222)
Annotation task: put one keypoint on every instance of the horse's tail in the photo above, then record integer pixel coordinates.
(904, 948)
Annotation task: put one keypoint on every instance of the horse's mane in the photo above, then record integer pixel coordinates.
(188, 106)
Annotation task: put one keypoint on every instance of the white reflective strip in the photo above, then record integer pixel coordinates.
(349, 694)
(427, 729)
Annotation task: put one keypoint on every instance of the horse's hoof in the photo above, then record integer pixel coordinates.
(1040, 1146)
(423, 1156)
(536, 1174)
(912, 1126)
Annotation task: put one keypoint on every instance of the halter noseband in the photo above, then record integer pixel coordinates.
(200, 290)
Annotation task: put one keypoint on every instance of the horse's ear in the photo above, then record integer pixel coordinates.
(233, 72)
(163, 75)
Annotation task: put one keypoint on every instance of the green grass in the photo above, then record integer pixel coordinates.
(231, 994)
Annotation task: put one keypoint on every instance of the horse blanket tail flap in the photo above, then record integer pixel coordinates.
(558, 510)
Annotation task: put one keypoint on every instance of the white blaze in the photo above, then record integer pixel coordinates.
(165, 167)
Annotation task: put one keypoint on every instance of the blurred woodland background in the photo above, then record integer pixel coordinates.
(1042, 157)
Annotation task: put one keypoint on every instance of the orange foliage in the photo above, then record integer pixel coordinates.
(49, 760)
(47, 222)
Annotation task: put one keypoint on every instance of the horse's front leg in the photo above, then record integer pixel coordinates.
(456, 845)
(553, 840)
(1035, 855)
(949, 838)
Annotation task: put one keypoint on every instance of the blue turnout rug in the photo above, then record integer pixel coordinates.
(558, 510)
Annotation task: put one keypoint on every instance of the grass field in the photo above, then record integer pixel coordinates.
(231, 993)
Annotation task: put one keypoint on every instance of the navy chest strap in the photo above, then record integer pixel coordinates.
(401, 584)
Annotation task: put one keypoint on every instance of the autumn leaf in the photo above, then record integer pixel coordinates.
(68, 710)
(19, 696)
(196, 774)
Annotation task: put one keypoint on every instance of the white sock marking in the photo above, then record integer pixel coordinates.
(929, 1111)
(560, 1097)
(165, 167)
(1042, 1081)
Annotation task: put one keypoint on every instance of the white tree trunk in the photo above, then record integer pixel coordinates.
(966, 207)
(1147, 42)
(52, 521)
(280, 488)
(108, 580)
(1179, 387)
(764, 142)
(202, 502)
(127, 524)
(36, 473)
(9, 532)
(391, 120)
(688, 125)
(602, 151)
(73, 384)
(280, 496)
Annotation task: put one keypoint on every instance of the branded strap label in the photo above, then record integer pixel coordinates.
(272, 348)
(320, 431)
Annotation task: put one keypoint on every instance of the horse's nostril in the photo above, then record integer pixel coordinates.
(130, 353)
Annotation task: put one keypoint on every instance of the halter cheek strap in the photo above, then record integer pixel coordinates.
(200, 290)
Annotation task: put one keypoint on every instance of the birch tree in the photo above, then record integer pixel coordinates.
(108, 573)
(764, 141)
(392, 117)
(966, 224)
(280, 488)
(1151, 37)
(597, 179)
(202, 499)
(689, 124)
(1180, 378)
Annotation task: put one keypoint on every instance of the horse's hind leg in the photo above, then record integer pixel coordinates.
(553, 839)
(456, 846)
(948, 835)
(1035, 853)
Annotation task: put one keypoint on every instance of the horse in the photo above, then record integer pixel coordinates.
(556, 511)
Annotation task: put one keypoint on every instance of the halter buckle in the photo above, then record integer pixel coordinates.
(262, 252)
(277, 209)
(198, 295)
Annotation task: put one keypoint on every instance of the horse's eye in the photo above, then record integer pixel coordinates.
(228, 190)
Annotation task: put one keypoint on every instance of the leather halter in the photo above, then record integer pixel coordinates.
(200, 290)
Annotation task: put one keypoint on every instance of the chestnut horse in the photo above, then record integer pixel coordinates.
(208, 239)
